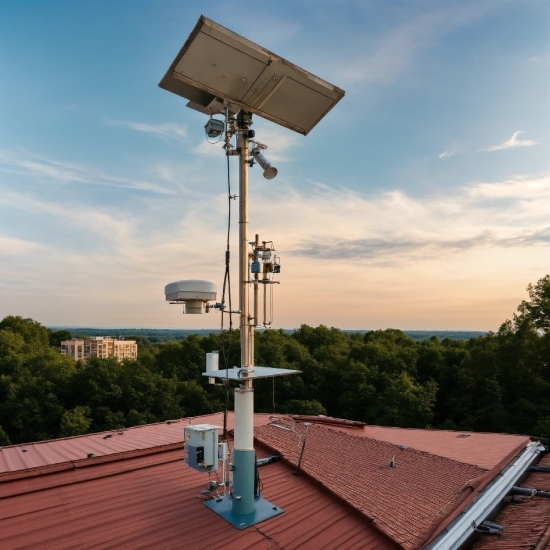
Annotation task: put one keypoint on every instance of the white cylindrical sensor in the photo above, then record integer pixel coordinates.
(194, 306)
(244, 419)
(212, 364)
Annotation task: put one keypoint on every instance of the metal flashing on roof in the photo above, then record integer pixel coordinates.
(464, 527)
(217, 66)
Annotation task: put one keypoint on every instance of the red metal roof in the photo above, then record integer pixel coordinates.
(407, 502)
(485, 450)
(525, 524)
(139, 438)
(151, 502)
(138, 493)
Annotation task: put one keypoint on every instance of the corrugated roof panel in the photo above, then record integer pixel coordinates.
(151, 502)
(137, 493)
(58, 451)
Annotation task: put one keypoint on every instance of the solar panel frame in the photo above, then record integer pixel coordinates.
(217, 66)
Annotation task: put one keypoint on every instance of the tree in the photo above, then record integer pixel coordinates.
(4, 438)
(55, 337)
(77, 421)
(297, 406)
(34, 334)
(406, 403)
(538, 309)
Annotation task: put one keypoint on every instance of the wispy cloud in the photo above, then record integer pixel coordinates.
(339, 224)
(14, 246)
(419, 247)
(40, 168)
(373, 242)
(446, 154)
(397, 52)
(511, 143)
(168, 130)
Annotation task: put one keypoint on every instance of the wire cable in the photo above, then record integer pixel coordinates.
(227, 284)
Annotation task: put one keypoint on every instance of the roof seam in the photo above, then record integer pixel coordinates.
(84, 480)
(76, 464)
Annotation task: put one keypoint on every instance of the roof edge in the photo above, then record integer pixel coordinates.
(84, 463)
(514, 465)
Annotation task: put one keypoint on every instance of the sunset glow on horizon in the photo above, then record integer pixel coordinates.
(420, 202)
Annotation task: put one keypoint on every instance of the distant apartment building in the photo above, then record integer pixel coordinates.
(73, 348)
(99, 346)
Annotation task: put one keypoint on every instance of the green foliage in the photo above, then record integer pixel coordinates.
(4, 438)
(32, 332)
(77, 421)
(297, 406)
(55, 337)
(538, 309)
(494, 382)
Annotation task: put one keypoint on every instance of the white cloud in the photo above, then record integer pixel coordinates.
(446, 154)
(384, 60)
(394, 226)
(168, 130)
(40, 168)
(409, 250)
(511, 143)
(13, 246)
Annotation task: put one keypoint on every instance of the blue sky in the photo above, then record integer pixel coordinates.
(420, 202)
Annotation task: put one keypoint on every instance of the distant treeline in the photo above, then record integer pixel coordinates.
(495, 382)
(160, 334)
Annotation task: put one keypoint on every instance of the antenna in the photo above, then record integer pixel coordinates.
(220, 72)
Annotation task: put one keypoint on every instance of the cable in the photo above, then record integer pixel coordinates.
(271, 303)
(227, 283)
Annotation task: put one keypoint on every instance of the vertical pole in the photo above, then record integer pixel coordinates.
(244, 456)
(242, 146)
(256, 285)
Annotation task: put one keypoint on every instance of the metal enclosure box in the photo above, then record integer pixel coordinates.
(200, 447)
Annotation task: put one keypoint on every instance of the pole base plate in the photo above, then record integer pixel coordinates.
(224, 508)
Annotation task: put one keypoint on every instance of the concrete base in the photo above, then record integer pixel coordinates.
(224, 508)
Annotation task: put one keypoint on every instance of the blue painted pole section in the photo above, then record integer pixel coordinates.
(243, 481)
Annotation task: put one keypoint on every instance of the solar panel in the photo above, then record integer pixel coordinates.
(217, 66)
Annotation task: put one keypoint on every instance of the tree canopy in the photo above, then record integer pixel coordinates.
(498, 382)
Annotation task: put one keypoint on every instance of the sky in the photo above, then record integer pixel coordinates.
(420, 202)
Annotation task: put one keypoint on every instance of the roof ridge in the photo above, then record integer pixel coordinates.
(77, 463)
(394, 445)
(45, 471)
(113, 431)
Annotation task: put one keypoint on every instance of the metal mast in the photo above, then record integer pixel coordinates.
(219, 71)
(247, 334)
(244, 456)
